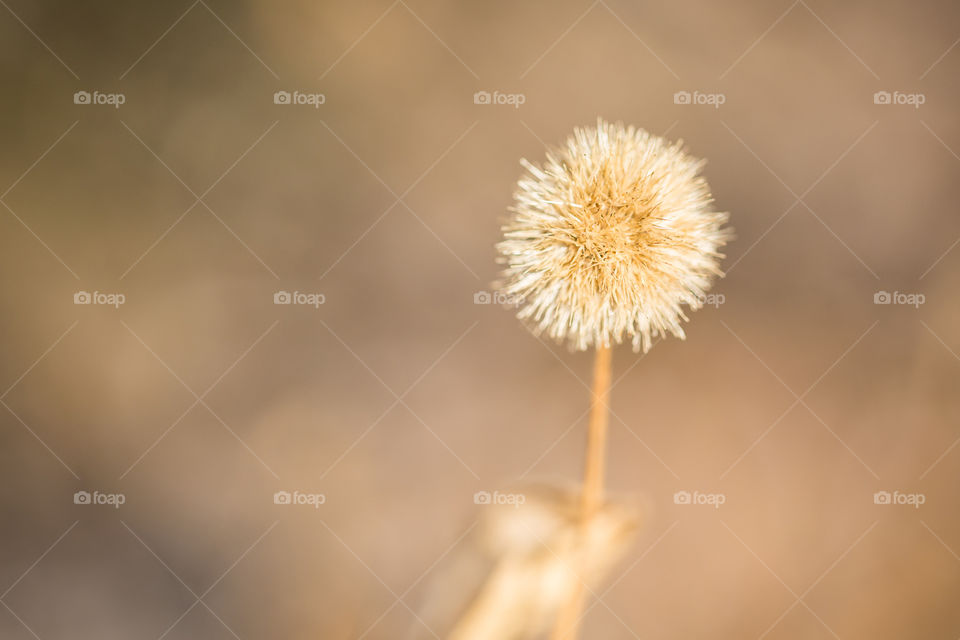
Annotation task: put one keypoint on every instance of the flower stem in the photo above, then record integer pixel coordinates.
(568, 622)
(597, 433)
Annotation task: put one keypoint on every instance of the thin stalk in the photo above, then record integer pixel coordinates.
(595, 463)
(568, 622)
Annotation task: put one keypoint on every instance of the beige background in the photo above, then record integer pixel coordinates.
(797, 399)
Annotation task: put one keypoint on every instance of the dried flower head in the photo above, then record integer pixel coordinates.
(610, 238)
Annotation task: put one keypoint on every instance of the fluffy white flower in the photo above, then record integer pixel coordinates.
(610, 238)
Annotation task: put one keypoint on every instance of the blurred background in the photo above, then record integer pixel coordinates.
(181, 164)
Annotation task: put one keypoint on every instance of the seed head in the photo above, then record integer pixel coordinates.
(610, 237)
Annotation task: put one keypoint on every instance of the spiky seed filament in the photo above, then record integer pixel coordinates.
(610, 238)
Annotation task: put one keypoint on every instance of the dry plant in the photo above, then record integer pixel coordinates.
(608, 240)
(514, 573)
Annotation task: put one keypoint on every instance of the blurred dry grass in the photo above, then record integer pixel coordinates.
(481, 403)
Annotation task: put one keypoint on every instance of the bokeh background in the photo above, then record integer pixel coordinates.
(796, 399)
